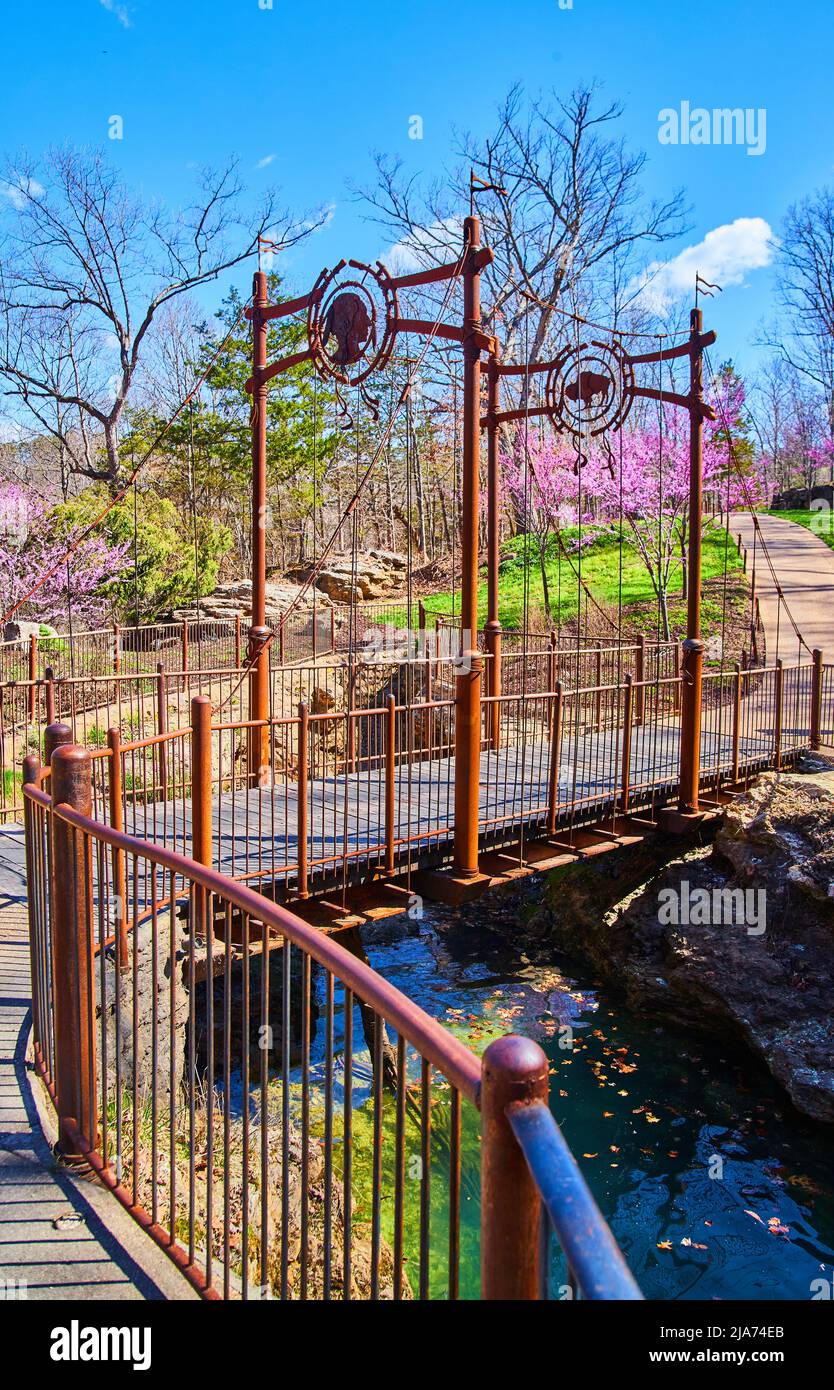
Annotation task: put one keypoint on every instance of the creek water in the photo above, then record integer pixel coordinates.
(713, 1185)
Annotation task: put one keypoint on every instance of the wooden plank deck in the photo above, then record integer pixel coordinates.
(255, 830)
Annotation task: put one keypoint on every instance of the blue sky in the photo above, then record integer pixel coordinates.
(315, 88)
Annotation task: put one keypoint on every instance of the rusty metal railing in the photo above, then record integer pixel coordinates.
(280, 1119)
(347, 792)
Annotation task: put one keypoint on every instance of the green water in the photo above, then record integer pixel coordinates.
(713, 1186)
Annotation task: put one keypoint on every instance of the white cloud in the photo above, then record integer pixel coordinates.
(17, 192)
(725, 256)
(121, 12)
(420, 250)
(267, 159)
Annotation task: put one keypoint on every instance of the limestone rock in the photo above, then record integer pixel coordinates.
(378, 574)
(19, 631)
(154, 1011)
(235, 599)
(770, 988)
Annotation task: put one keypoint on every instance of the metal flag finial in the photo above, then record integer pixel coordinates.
(705, 287)
(475, 181)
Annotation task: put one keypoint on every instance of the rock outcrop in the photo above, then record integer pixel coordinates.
(137, 1052)
(230, 600)
(378, 574)
(19, 631)
(735, 937)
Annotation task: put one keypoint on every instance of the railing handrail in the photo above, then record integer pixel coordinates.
(451, 1057)
(592, 1254)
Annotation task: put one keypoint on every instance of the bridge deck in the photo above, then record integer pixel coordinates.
(255, 832)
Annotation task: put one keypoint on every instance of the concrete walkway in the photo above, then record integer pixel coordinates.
(804, 565)
(60, 1237)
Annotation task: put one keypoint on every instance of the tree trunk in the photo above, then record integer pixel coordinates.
(545, 585)
(664, 613)
(111, 445)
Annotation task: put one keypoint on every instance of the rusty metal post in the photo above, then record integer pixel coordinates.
(468, 682)
(162, 726)
(350, 731)
(737, 678)
(390, 774)
(33, 675)
(555, 749)
(303, 786)
(258, 733)
(816, 699)
(74, 952)
(114, 743)
(31, 770)
(258, 740)
(49, 675)
(201, 802)
(640, 676)
(552, 678)
(514, 1072)
(625, 769)
(777, 722)
(598, 682)
(492, 630)
(55, 736)
(201, 779)
(693, 647)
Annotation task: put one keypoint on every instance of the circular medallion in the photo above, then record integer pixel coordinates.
(590, 389)
(351, 321)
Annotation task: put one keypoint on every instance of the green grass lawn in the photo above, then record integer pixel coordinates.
(821, 522)
(601, 563)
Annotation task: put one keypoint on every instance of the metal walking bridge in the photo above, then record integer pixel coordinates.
(240, 1079)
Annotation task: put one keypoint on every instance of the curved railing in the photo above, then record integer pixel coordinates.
(281, 1119)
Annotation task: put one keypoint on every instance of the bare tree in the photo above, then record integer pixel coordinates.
(570, 213)
(806, 291)
(86, 266)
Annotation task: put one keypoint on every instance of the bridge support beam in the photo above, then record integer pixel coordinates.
(258, 654)
(468, 683)
(693, 647)
(493, 622)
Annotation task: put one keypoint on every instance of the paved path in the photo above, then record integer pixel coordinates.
(60, 1237)
(804, 565)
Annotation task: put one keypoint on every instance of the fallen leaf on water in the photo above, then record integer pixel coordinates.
(755, 1216)
(664, 1245)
